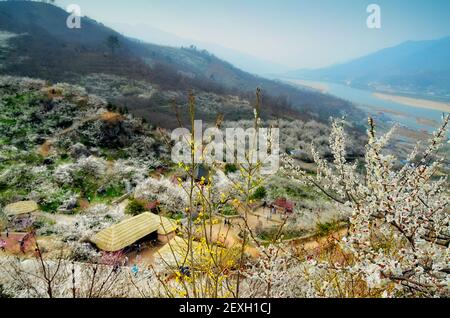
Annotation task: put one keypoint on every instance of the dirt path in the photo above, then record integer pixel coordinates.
(260, 215)
(228, 235)
(145, 257)
(317, 243)
(11, 243)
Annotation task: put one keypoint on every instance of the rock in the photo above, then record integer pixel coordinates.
(68, 206)
(79, 150)
(71, 203)
(101, 190)
(48, 161)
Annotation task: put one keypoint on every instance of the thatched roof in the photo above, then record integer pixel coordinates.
(176, 251)
(125, 233)
(166, 225)
(22, 207)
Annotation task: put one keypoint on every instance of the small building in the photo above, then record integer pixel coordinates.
(282, 205)
(19, 215)
(144, 227)
(166, 230)
(175, 252)
(22, 208)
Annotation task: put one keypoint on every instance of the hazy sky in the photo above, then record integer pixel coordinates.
(296, 33)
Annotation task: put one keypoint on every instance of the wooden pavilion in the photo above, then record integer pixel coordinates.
(135, 229)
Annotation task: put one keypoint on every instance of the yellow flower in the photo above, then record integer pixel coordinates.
(182, 293)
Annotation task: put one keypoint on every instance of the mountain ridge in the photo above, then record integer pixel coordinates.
(45, 48)
(420, 66)
(242, 60)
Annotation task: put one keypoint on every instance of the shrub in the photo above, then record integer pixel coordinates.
(268, 234)
(230, 168)
(112, 191)
(228, 210)
(135, 207)
(259, 194)
(324, 229)
(52, 199)
(44, 226)
(3, 293)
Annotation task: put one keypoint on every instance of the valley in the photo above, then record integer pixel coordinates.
(115, 180)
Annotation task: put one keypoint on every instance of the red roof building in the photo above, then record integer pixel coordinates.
(283, 205)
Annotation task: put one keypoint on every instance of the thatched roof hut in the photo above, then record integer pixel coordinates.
(21, 208)
(175, 251)
(127, 232)
(166, 225)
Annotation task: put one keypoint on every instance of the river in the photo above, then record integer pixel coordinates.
(419, 118)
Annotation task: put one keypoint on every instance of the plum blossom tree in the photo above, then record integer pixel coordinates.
(398, 241)
(168, 194)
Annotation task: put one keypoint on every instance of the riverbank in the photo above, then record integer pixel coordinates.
(414, 102)
(318, 86)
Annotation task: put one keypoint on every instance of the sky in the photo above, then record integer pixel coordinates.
(294, 33)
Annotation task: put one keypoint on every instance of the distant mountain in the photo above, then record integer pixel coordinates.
(421, 67)
(244, 61)
(43, 47)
